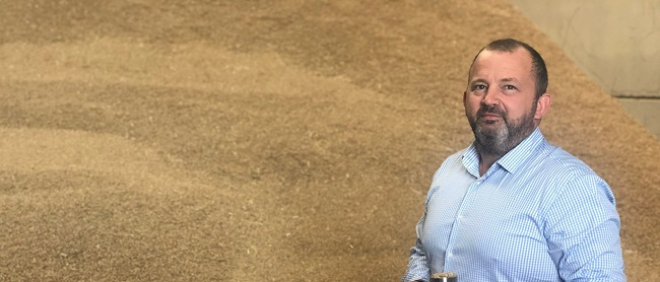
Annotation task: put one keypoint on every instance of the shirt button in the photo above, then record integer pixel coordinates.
(450, 255)
(460, 216)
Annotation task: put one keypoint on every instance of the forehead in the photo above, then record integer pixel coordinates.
(516, 64)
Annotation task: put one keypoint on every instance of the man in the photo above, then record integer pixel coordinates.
(512, 207)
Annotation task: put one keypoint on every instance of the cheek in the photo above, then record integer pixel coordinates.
(516, 109)
(472, 106)
(471, 110)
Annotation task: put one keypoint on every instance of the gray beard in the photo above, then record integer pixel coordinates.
(499, 141)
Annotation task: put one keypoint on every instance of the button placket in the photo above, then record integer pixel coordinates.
(461, 210)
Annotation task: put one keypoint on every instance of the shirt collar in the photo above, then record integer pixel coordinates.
(512, 160)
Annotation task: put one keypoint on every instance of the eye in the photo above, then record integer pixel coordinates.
(509, 87)
(478, 87)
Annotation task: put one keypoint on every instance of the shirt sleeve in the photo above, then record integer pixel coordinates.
(418, 268)
(582, 228)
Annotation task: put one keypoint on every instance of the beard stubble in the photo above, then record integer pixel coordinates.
(498, 140)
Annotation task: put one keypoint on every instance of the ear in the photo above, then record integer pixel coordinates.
(464, 99)
(542, 106)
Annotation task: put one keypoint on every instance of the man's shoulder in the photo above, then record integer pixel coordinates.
(564, 164)
(452, 162)
(557, 172)
(457, 157)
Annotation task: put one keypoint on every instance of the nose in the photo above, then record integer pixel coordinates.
(490, 97)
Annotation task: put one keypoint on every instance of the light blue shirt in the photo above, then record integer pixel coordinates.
(538, 214)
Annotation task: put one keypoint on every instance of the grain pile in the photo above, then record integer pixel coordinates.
(153, 140)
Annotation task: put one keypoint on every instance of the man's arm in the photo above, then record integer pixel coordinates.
(418, 268)
(582, 229)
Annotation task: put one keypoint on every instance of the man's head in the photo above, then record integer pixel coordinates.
(539, 70)
(506, 95)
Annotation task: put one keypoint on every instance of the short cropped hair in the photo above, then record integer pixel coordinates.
(538, 65)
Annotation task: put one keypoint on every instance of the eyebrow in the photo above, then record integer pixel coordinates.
(508, 79)
(478, 80)
(482, 80)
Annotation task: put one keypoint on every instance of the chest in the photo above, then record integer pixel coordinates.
(486, 217)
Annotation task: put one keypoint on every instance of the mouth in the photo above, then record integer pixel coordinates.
(490, 116)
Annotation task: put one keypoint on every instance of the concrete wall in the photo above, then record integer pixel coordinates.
(616, 42)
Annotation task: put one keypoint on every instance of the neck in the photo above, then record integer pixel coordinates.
(486, 160)
(490, 153)
(490, 150)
